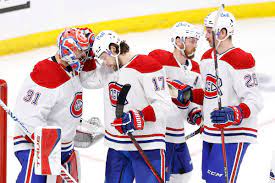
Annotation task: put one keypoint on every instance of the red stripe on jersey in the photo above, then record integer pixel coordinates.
(162, 164)
(149, 113)
(245, 110)
(174, 129)
(231, 129)
(18, 137)
(49, 74)
(144, 64)
(29, 167)
(136, 136)
(236, 162)
(64, 143)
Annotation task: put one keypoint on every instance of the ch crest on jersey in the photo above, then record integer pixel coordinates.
(76, 106)
(211, 87)
(114, 90)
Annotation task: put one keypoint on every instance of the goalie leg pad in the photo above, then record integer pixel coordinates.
(47, 145)
(72, 164)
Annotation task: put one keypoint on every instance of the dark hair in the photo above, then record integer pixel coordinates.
(124, 47)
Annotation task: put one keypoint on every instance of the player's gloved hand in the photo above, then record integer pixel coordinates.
(129, 122)
(195, 116)
(227, 116)
(184, 91)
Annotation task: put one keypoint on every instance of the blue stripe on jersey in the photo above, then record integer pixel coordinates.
(175, 135)
(65, 148)
(130, 142)
(230, 134)
(20, 142)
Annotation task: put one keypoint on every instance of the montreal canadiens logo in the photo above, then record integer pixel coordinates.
(114, 90)
(76, 106)
(211, 90)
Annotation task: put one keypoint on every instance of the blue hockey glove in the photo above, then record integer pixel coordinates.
(184, 91)
(227, 116)
(129, 122)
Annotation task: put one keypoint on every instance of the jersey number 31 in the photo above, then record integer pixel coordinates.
(32, 97)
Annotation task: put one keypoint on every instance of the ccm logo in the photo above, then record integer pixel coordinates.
(214, 173)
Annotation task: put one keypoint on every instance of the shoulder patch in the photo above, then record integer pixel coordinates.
(239, 59)
(145, 64)
(195, 67)
(164, 57)
(49, 74)
(207, 54)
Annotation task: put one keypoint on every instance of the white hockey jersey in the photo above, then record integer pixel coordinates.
(149, 94)
(175, 132)
(49, 97)
(238, 86)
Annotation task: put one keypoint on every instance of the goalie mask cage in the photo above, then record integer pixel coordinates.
(3, 133)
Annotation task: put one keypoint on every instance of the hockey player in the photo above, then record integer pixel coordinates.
(180, 68)
(52, 96)
(146, 106)
(240, 98)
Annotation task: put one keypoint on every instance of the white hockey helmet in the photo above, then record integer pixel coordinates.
(102, 43)
(183, 30)
(225, 21)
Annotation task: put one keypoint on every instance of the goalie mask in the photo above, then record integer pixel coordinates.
(73, 46)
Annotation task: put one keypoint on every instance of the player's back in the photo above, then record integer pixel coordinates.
(49, 97)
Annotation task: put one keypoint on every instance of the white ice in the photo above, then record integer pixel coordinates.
(254, 35)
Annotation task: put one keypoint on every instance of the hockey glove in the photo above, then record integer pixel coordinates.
(184, 94)
(195, 116)
(227, 116)
(129, 122)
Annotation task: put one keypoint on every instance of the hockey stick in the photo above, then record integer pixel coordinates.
(64, 173)
(193, 134)
(119, 111)
(218, 92)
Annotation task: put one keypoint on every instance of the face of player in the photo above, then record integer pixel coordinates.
(108, 60)
(208, 36)
(190, 47)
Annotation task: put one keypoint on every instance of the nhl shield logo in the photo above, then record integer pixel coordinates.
(114, 90)
(76, 106)
(211, 87)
